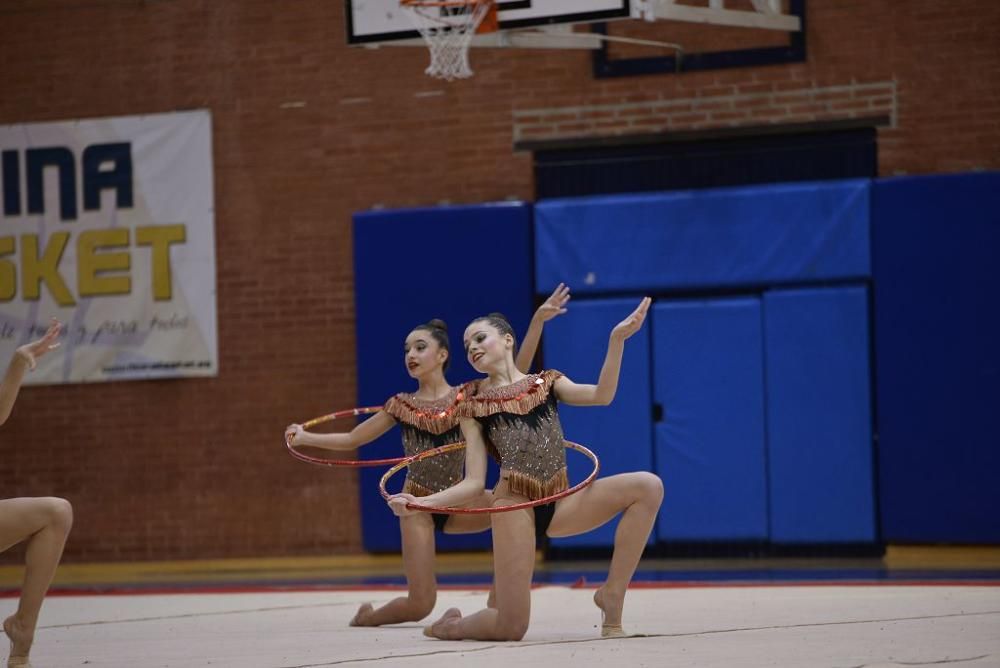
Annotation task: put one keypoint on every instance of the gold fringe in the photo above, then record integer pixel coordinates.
(506, 401)
(433, 422)
(416, 489)
(534, 489)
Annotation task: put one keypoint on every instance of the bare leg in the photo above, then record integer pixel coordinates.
(491, 598)
(514, 564)
(44, 522)
(637, 494)
(472, 523)
(462, 524)
(418, 564)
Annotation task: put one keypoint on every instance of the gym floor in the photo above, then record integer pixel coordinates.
(914, 606)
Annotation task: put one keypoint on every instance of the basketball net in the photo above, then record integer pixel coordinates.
(447, 27)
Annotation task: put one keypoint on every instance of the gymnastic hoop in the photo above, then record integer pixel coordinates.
(499, 509)
(356, 463)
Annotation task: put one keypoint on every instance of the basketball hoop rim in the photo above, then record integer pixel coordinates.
(448, 27)
(443, 3)
(481, 13)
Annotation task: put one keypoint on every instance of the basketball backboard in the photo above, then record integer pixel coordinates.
(382, 21)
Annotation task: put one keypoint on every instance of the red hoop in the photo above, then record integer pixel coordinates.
(350, 412)
(498, 509)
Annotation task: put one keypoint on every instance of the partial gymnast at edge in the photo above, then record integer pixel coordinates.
(44, 522)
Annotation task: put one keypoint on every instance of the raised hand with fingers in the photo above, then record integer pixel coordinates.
(550, 308)
(32, 351)
(555, 304)
(633, 322)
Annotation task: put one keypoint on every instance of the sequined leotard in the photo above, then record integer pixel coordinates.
(522, 431)
(427, 424)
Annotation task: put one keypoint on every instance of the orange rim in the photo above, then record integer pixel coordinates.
(489, 23)
(350, 463)
(443, 3)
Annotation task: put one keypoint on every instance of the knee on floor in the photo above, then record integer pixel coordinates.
(422, 602)
(511, 630)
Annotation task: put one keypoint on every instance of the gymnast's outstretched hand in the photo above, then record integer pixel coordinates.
(555, 304)
(32, 351)
(633, 322)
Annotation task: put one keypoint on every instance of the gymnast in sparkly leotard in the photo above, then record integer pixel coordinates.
(514, 417)
(427, 419)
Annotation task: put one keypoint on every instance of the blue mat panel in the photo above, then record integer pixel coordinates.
(761, 235)
(708, 377)
(819, 416)
(937, 345)
(413, 265)
(620, 434)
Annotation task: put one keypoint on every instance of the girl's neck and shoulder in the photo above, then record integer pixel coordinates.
(433, 413)
(432, 395)
(497, 384)
(430, 398)
(431, 389)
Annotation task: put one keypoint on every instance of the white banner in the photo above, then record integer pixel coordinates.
(109, 226)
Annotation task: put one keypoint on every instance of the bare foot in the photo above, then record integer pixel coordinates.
(439, 629)
(611, 613)
(491, 600)
(363, 616)
(20, 641)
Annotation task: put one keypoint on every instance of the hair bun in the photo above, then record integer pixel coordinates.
(438, 323)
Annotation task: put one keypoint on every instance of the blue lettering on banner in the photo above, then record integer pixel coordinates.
(103, 167)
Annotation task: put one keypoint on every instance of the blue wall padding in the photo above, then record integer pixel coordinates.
(937, 342)
(414, 265)
(620, 434)
(819, 416)
(759, 235)
(708, 376)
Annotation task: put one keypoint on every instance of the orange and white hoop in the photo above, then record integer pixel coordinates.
(447, 27)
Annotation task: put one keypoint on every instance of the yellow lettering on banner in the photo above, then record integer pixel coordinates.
(8, 271)
(35, 269)
(95, 260)
(89, 263)
(160, 237)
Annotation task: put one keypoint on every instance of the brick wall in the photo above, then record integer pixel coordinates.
(753, 103)
(307, 131)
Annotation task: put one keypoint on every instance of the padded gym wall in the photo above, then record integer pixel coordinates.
(759, 235)
(710, 444)
(937, 346)
(620, 434)
(410, 266)
(725, 368)
(819, 430)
